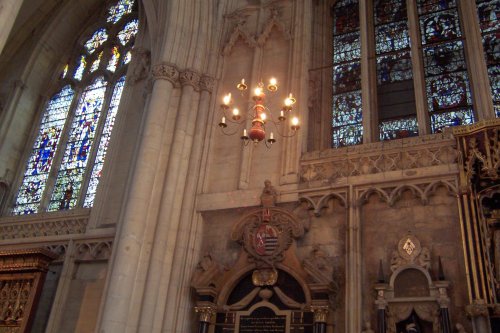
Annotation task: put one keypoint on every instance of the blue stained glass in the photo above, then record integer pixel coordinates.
(398, 128)
(78, 148)
(392, 37)
(453, 118)
(116, 12)
(394, 67)
(346, 16)
(81, 68)
(42, 154)
(114, 60)
(389, 11)
(448, 91)
(97, 39)
(489, 15)
(103, 143)
(127, 58)
(444, 58)
(346, 77)
(347, 109)
(347, 135)
(128, 32)
(429, 6)
(489, 21)
(95, 64)
(346, 47)
(438, 27)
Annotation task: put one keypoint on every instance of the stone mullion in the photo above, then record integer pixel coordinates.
(167, 233)
(418, 73)
(476, 62)
(59, 154)
(130, 261)
(368, 73)
(353, 265)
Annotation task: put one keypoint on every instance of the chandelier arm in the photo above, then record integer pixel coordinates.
(228, 133)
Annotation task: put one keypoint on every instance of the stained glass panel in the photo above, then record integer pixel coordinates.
(394, 67)
(115, 58)
(97, 39)
(78, 148)
(42, 155)
(103, 144)
(347, 117)
(438, 27)
(347, 77)
(116, 12)
(444, 58)
(346, 47)
(392, 37)
(127, 58)
(398, 128)
(387, 11)
(65, 71)
(81, 68)
(128, 32)
(346, 15)
(95, 64)
(428, 6)
(452, 118)
(489, 20)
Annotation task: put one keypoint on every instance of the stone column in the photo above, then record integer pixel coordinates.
(8, 13)
(127, 277)
(353, 265)
(320, 315)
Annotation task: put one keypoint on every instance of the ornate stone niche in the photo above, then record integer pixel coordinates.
(411, 298)
(268, 283)
(22, 273)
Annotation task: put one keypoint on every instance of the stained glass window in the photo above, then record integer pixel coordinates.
(78, 148)
(347, 117)
(116, 12)
(103, 144)
(67, 158)
(448, 93)
(489, 22)
(128, 32)
(97, 39)
(397, 112)
(42, 155)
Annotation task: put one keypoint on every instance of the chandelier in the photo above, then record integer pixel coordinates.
(259, 114)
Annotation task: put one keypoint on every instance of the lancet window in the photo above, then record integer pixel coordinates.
(67, 158)
(412, 75)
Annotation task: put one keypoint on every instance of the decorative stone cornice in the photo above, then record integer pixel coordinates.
(207, 83)
(25, 259)
(165, 71)
(45, 225)
(190, 77)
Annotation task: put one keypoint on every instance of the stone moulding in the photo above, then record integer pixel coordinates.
(329, 166)
(42, 225)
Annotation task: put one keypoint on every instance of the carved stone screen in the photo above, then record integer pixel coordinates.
(262, 320)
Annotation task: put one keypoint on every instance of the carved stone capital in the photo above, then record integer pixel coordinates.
(320, 313)
(165, 71)
(477, 309)
(205, 312)
(207, 83)
(190, 78)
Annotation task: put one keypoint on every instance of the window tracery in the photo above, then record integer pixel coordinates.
(77, 121)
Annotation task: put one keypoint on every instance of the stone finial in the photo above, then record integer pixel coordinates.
(269, 195)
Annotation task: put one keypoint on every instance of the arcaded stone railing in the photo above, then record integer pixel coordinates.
(330, 166)
(44, 224)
